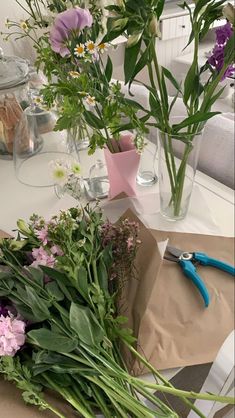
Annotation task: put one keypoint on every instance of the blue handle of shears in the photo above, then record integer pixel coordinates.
(190, 272)
(208, 261)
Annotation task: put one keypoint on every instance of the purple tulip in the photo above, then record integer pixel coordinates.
(68, 23)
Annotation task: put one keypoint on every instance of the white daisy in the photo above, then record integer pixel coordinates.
(76, 168)
(91, 47)
(79, 50)
(90, 100)
(24, 25)
(74, 74)
(102, 47)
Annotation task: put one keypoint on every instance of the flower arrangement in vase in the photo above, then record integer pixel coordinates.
(75, 60)
(179, 138)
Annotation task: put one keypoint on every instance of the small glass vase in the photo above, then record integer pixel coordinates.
(72, 187)
(146, 175)
(93, 168)
(178, 159)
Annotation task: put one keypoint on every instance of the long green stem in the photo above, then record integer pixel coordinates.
(161, 378)
(68, 397)
(192, 395)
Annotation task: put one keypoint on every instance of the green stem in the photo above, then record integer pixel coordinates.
(162, 378)
(193, 395)
(180, 180)
(68, 397)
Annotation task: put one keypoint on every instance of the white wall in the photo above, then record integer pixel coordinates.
(11, 10)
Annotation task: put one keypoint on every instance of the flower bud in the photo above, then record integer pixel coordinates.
(17, 245)
(229, 13)
(119, 24)
(23, 227)
(154, 27)
(133, 39)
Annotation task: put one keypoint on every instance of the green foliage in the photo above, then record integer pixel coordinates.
(85, 324)
(49, 340)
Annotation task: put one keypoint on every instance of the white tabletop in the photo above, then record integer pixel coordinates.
(20, 201)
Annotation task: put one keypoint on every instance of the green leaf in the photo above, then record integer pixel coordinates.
(86, 326)
(49, 340)
(155, 105)
(38, 305)
(55, 274)
(82, 282)
(117, 24)
(214, 98)
(159, 8)
(102, 276)
(191, 120)
(134, 104)
(141, 63)
(54, 291)
(26, 313)
(93, 121)
(171, 78)
(109, 69)
(199, 5)
(37, 275)
(189, 83)
(131, 55)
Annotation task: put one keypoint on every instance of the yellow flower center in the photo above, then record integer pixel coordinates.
(91, 46)
(80, 49)
(102, 46)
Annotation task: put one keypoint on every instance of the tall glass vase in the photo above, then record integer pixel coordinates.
(178, 159)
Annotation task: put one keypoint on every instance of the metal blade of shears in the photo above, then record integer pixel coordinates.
(174, 251)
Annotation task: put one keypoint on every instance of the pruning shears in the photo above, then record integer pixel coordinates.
(188, 262)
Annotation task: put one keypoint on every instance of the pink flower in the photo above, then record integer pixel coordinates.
(42, 258)
(56, 250)
(68, 23)
(42, 234)
(12, 335)
(130, 243)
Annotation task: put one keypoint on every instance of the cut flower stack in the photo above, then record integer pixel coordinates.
(60, 284)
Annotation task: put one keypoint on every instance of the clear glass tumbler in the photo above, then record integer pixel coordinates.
(36, 145)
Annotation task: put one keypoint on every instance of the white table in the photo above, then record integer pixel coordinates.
(20, 201)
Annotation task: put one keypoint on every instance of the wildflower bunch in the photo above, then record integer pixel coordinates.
(71, 51)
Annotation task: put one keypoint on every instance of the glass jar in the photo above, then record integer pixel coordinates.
(14, 74)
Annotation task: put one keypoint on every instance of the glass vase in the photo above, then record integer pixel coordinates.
(36, 145)
(146, 175)
(93, 167)
(178, 159)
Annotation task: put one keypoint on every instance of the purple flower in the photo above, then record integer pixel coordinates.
(68, 23)
(216, 60)
(12, 335)
(217, 57)
(3, 310)
(223, 33)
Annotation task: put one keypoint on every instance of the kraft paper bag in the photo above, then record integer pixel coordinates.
(165, 309)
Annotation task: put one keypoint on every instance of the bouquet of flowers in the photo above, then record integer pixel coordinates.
(139, 21)
(67, 36)
(60, 329)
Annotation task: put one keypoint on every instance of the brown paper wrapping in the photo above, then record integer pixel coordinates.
(165, 309)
